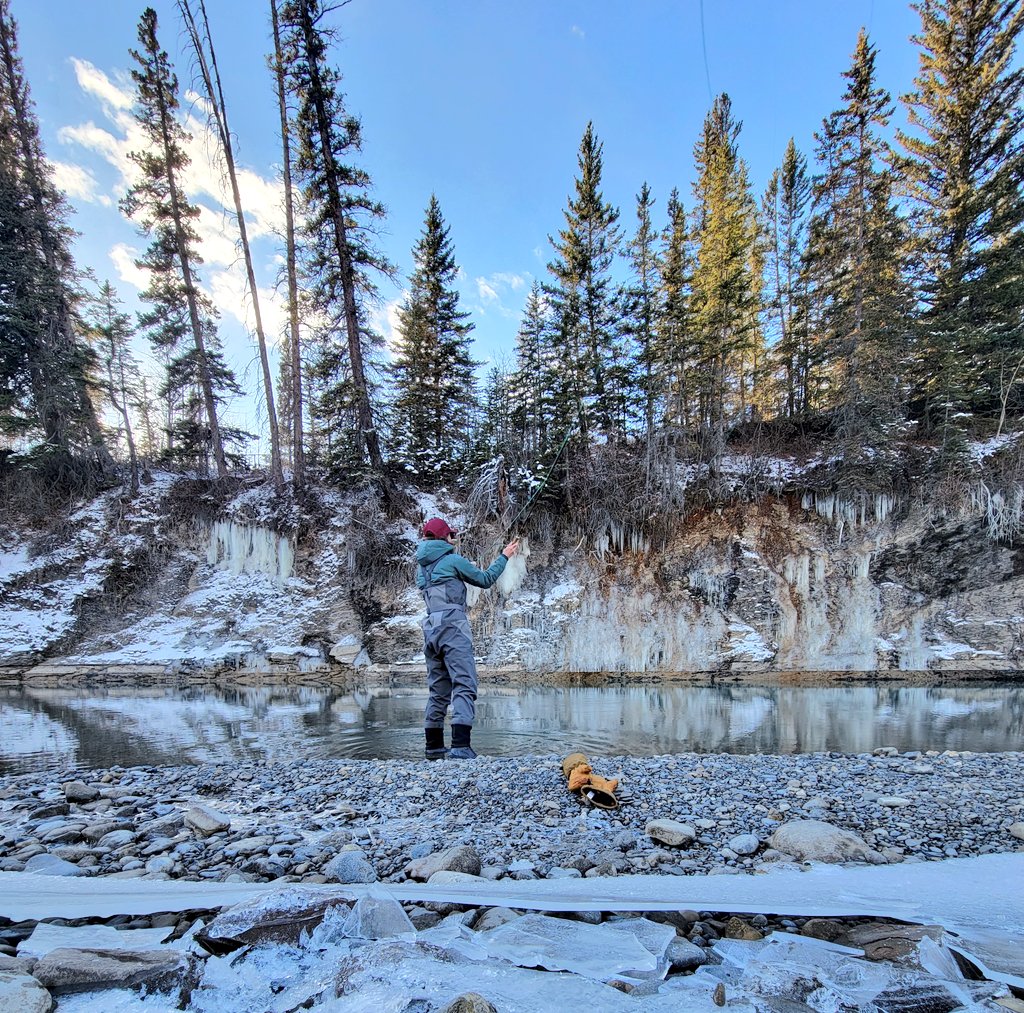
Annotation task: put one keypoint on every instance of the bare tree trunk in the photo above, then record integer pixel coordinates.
(294, 344)
(211, 80)
(367, 432)
(205, 380)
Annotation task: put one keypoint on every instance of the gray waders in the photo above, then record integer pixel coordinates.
(448, 648)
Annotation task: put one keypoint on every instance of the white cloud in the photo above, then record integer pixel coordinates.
(512, 281)
(578, 32)
(384, 320)
(93, 81)
(78, 182)
(123, 258)
(485, 290)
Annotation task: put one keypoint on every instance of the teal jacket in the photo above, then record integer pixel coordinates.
(454, 565)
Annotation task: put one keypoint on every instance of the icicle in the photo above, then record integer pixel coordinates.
(241, 548)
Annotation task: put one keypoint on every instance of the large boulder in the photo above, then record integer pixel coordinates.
(205, 820)
(69, 970)
(45, 864)
(670, 832)
(350, 867)
(817, 841)
(23, 993)
(460, 859)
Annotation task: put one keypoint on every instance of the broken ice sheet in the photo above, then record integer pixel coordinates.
(46, 937)
(266, 979)
(653, 937)
(557, 944)
(378, 916)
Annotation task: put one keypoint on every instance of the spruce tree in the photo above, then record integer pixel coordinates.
(584, 302)
(725, 299)
(46, 383)
(432, 370)
(786, 208)
(113, 332)
(675, 350)
(641, 308)
(860, 254)
(531, 382)
(181, 321)
(340, 259)
(964, 165)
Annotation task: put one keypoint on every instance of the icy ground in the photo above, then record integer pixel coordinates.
(369, 957)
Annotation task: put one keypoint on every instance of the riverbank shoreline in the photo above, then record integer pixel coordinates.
(345, 676)
(291, 820)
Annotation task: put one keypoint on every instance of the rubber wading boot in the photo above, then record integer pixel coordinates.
(435, 744)
(461, 749)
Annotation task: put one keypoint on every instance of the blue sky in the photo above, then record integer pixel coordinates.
(482, 102)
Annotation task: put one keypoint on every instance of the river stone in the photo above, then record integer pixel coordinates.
(350, 867)
(670, 832)
(205, 821)
(469, 1002)
(493, 917)
(50, 865)
(459, 859)
(451, 876)
(744, 844)
(1016, 830)
(22, 993)
(117, 839)
(79, 791)
(816, 841)
(894, 802)
(683, 955)
(69, 970)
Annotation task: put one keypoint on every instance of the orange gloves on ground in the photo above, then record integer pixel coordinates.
(582, 776)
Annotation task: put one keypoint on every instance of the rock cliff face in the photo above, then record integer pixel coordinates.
(773, 585)
(787, 583)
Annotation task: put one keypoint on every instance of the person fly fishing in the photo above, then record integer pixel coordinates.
(442, 575)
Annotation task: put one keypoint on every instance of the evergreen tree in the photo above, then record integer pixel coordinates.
(433, 369)
(531, 383)
(113, 333)
(45, 386)
(674, 326)
(180, 323)
(786, 207)
(340, 259)
(964, 165)
(584, 303)
(725, 299)
(641, 306)
(859, 247)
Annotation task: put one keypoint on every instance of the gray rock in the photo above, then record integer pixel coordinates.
(50, 865)
(350, 867)
(205, 821)
(460, 859)
(683, 955)
(79, 791)
(117, 839)
(378, 916)
(670, 832)
(451, 876)
(160, 864)
(469, 1002)
(68, 970)
(22, 993)
(744, 844)
(492, 917)
(816, 841)
(1016, 830)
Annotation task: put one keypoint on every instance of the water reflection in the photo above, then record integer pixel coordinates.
(80, 728)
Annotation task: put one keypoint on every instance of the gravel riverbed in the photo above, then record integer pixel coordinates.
(356, 821)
